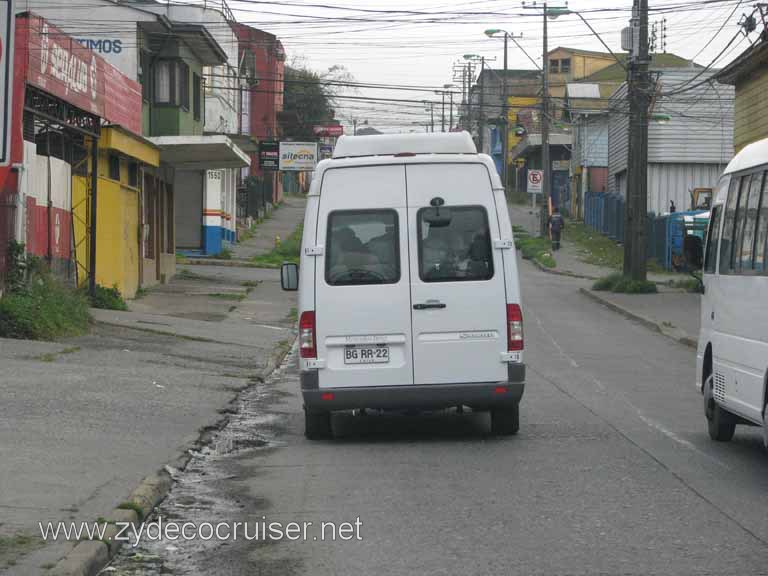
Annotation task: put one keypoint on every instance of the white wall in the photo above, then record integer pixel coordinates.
(108, 29)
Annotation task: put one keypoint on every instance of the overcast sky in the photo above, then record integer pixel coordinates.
(417, 42)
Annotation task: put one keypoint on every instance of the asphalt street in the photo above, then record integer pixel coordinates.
(612, 472)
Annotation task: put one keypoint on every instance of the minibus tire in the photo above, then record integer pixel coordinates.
(505, 421)
(721, 424)
(317, 425)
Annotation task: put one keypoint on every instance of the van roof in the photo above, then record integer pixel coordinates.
(752, 155)
(392, 144)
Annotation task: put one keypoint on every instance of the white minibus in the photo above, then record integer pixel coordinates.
(732, 355)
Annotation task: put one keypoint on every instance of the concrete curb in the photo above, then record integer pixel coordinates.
(214, 262)
(89, 557)
(560, 272)
(652, 325)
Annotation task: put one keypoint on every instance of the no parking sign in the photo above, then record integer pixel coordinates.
(535, 178)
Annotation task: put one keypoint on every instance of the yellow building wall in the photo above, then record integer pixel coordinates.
(751, 109)
(516, 104)
(117, 230)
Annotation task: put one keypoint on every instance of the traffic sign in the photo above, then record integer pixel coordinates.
(535, 178)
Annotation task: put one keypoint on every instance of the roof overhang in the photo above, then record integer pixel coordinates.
(747, 62)
(534, 141)
(119, 139)
(201, 43)
(200, 152)
(247, 143)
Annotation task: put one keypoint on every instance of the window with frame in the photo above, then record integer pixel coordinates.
(713, 240)
(729, 225)
(741, 222)
(363, 247)
(554, 66)
(164, 82)
(114, 167)
(456, 245)
(565, 66)
(761, 234)
(133, 174)
(197, 95)
(183, 70)
(745, 262)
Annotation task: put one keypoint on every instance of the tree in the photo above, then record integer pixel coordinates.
(309, 99)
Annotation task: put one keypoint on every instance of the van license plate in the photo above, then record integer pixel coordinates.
(378, 354)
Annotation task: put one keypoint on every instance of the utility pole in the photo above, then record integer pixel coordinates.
(637, 167)
(546, 164)
(505, 120)
(481, 112)
(450, 123)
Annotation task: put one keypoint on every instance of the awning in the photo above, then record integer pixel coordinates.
(245, 142)
(200, 152)
(129, 144)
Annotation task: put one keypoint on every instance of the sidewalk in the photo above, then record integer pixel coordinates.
(282, 223)
(671, 312)
(84, 420)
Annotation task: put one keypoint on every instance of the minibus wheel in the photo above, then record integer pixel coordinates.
(505, 421)
(721, 424)
(317, 425)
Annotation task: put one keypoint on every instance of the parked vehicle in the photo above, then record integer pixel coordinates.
(408, 294)
(732, 356)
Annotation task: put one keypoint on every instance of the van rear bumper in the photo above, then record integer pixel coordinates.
(477, 395)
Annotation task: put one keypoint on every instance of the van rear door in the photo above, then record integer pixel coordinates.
(458, 289)
(362, 307)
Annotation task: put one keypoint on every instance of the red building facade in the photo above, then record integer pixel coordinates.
(262, 58)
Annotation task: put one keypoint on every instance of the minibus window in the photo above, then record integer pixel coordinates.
(363, 248)
(750, 223)
(713, 238)
(741, 221)
(455, 249)
(762, 231)
(726, 243)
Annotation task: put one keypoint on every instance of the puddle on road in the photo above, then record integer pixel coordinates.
(197, 495)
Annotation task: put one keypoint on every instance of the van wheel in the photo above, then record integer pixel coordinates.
(317, 425)
(721, 424)
(505, 421)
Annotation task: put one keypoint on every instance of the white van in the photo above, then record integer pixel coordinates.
(408, 293)
(732, 356)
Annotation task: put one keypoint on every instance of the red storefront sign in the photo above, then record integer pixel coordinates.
(329, 130)
(61, 66)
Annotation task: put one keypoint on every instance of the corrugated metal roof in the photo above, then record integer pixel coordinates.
(582, 90)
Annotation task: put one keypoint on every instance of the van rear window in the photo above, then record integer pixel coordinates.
(363, 247)
(454, 244)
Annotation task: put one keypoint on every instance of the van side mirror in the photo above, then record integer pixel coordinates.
(693, 252)
(289, 276)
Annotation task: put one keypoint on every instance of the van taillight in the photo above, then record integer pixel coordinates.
(514, 328)
(307, 345)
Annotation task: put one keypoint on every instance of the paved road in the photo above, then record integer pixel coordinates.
(612, 472)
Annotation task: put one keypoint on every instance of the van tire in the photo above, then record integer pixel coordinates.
(505, 421)
(317, 425)
(721, 424)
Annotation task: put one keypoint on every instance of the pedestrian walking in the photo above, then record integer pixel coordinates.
(672, 207)
(556, 225)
